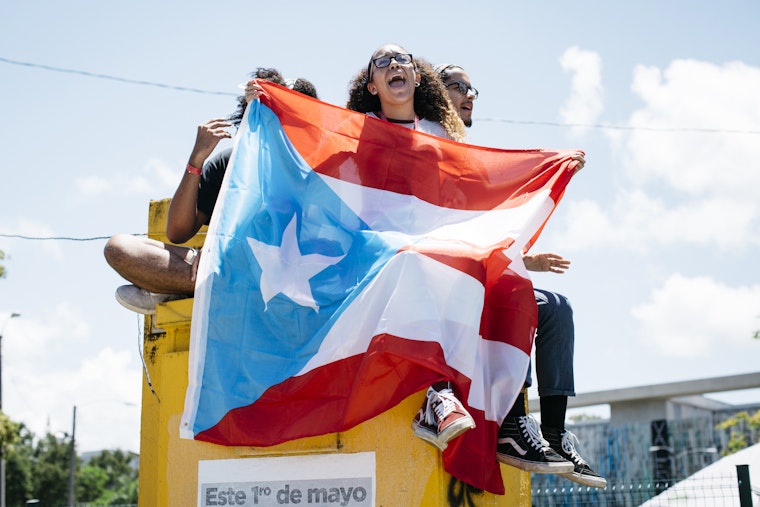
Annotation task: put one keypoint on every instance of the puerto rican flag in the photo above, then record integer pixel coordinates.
(350, 263)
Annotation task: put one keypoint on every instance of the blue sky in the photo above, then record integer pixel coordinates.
(662, 225)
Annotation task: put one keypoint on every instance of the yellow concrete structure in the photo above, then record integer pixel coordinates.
(408, 471)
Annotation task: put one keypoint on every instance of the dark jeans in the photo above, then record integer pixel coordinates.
(555, 344)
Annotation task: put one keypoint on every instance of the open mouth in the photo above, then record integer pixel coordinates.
(397, 81)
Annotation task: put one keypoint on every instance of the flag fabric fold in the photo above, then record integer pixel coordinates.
(350, 263)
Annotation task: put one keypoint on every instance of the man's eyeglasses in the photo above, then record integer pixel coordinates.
(385, 60)
(463, 88)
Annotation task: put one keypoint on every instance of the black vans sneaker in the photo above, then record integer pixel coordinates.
(521, 445)
(564, 443)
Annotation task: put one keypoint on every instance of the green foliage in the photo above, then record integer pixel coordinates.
(50, 462)
(584, 417)
(2, 269)
(9, 432)
(91, 484)
(40, 469)
(742, 426)
(18, 468)
(119, 479)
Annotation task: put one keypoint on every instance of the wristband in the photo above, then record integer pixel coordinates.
(193, 170)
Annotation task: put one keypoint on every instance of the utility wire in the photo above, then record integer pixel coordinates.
(114, 78)
(70, 238)
(58, 238)
(495, 120)
(623, 127)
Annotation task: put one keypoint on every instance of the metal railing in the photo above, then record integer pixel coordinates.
(729, 489)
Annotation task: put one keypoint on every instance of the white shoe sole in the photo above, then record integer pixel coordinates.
(536, 467)
(133, 308)
(587, 480)
(456, 429)
(428, 436)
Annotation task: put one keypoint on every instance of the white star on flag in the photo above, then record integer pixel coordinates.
(284, 270)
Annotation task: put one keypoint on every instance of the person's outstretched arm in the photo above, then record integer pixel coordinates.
(184, 219)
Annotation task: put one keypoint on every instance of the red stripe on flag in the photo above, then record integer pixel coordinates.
(403, 161)
(337, 396)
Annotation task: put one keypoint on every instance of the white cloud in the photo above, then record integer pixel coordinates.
(585, 103)
(59, 329)
(54, 361)
(54, 376)
(695, 317)
(165, 177)
(155, 178)
(28, 228)
(93, 185)
(697, 95)
(640, 222)
(690, 188)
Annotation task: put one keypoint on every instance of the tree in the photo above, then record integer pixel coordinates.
(584, 417)
(40, 469)
(742, 427)
(9, 432)
(91, 485)
(110, 478)
(50, 464)
(2, 269)
(17, 449)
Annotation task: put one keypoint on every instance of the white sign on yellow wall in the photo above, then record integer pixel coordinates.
(346, 480)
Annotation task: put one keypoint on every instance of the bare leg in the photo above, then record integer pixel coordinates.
(152, 265)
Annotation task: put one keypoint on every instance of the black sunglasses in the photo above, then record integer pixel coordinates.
(385, 60)
(463, 88)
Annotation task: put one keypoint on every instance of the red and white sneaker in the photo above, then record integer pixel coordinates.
(441, 418)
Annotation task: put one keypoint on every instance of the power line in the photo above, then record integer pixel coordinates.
(71, 238)
(495, 120)
(59, 238)
(113, 78)
(623, 127)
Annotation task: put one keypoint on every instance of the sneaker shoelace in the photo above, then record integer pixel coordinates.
(443, 404)
(427, 415)
(532, 431)
(568, 445)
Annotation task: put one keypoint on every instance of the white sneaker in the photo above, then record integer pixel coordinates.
(441, 418)
(142, 301)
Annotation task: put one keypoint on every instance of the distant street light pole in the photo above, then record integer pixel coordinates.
(72, 456)
(72, 448)
(2, 453)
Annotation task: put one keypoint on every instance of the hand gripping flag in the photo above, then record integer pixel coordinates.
(350, 263)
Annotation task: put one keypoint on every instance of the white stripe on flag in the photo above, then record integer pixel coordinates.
(427, 300)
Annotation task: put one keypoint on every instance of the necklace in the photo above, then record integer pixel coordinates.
(416, 120)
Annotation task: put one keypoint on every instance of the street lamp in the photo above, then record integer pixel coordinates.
(72, 448)
(72, 456)
(2, 453)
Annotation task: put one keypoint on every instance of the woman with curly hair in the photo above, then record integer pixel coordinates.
(401, 89)
(398, 88)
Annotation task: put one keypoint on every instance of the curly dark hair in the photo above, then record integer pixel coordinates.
(304, 86)
(431, 100)
(267, 74)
